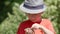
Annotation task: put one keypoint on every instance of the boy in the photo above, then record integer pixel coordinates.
(35, 24)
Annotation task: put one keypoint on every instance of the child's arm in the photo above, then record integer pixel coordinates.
(49, 27)
(47, 30)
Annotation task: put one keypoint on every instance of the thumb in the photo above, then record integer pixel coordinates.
(26, 30)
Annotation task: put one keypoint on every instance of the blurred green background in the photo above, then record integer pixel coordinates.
(11, 16)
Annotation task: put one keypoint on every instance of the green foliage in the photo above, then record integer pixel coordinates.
(11, 16)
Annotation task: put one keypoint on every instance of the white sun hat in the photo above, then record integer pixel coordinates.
(33, 6)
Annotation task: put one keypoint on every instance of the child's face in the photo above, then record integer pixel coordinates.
(34, 17)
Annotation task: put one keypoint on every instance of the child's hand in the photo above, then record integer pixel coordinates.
(28, 31)
(36, 26)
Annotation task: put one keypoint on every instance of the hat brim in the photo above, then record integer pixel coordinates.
(26, 10)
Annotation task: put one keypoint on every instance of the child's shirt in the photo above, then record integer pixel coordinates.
(27, 24)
